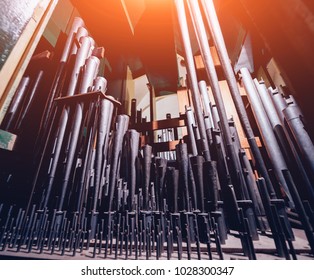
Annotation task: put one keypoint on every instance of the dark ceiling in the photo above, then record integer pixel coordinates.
(147, 49)
(287, 30)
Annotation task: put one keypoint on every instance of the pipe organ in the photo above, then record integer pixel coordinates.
(101, 181)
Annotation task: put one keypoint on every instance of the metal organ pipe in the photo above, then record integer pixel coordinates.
(192, 75)
(89, 74)
(79, 63)
(266, 130)
(212, 75)
(286, 143)
(300, 135)
(215, 30)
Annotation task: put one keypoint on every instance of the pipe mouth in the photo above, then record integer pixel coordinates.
(100, 83)
(81, 32)
(77, 23)
(94, 60)
(291, 112)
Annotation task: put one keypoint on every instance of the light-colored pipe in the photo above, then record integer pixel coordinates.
(265, 128)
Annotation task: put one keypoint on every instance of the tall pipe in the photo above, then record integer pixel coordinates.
(74, 34)
(16, 104)
(201, 36)
(105, 119)
(77, 23)
(183, 165)
(216, 119)
(133, 141)
(80, 61)
(301, 136)
(267, 133)
(30, 99)
(192, 75)
(206, 102)
(215, 30)
(190, 124)
(147, 162)
(122, 123)
(278, 102)
(287, 145)
(89, 75)
(81, 32)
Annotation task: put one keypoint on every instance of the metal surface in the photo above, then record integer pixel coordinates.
(279, 102)
(215, 30)
(267, 133)
(190, 124)
(16, 104)
(287, 146)
(89, 74)
(200, 31)
(76, 24)
(105, 119)
(191, 73)
(268, 105)
(301, 136)
(206, 103)
(70, 49)
(79, 62)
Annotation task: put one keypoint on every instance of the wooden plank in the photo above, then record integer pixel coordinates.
(199, 63)
(183, 99)
(161, 124)
(165, 146)
(245, 143)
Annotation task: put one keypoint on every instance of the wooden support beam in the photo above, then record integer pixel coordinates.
(161, 124)
(165, 146)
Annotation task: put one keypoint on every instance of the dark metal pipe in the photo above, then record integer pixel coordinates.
(192, 74)
(77, 30)
(82, 54)
(278, 102)
(211, 183)
(105, 119)
(301, 136)
(206, 103)
(200, 32)
(197, 167)
(267, 133)
(190, 123)
(215, 30)
(30, 99)
(300, 209)
(121, 128)
(270, 216)
(173, 189)
(295, 164)
(133, 141)
(147, 162)
(16, 103)
(183, 162)
(254, 192)
(89, 75)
